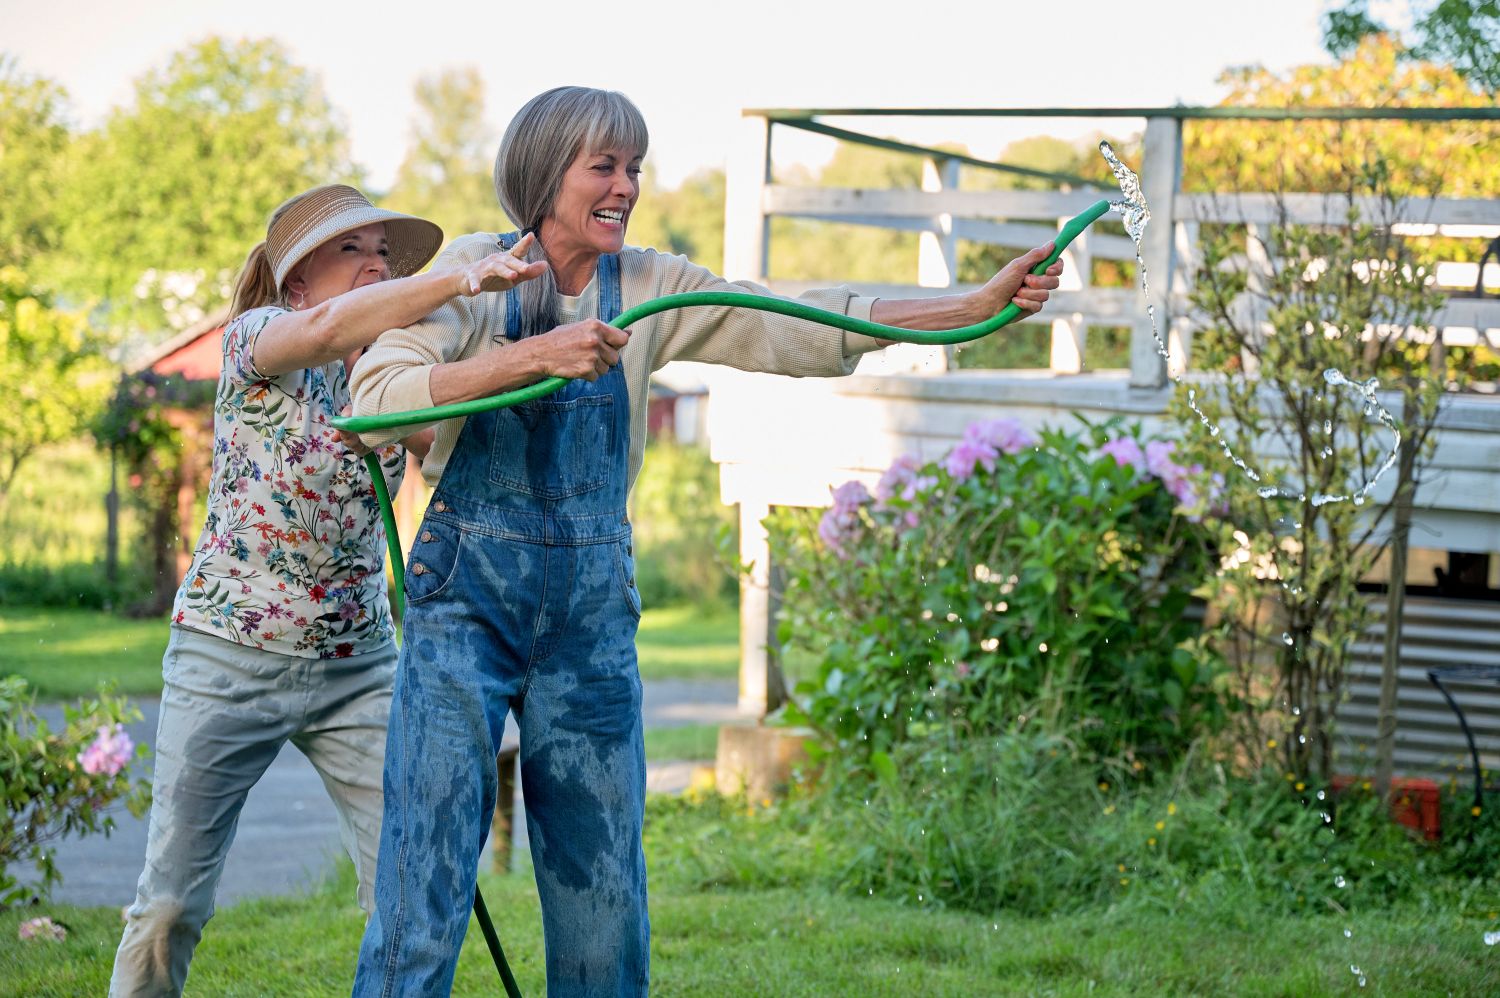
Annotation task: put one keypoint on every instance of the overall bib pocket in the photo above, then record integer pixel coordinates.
(552, 450)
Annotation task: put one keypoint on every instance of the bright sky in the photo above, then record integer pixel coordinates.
(693, 66)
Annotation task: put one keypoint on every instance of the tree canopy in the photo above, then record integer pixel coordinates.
(159, 207)
(446, 174)
(1453, 159)
(1465, 34)
(33, 139)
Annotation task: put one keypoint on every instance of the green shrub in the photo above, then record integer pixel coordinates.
(59, 783)
(680, 527)
(1020, 824)
(1044, 577)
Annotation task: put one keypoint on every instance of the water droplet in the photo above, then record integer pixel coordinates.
(1348, 933)
(1339, 881)
(1286, 638)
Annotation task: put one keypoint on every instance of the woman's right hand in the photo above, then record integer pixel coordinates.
(584, 349)
(503, 270)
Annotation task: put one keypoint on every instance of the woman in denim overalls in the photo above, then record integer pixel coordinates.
(520, 586)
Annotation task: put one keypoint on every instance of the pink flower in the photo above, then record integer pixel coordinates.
(961, 460)
(901, 481)
(1126, 452)
(41, 928)
(110, 752)
(983, 442)
(1005, 435)
(1159, 459)
(839, 525)
(962, 670)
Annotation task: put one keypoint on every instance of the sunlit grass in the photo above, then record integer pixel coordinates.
(64, 653)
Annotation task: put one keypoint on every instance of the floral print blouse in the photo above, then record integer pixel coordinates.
(292, 555)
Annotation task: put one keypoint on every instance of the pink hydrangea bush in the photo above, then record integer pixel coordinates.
(1020, 564)
(59, 782)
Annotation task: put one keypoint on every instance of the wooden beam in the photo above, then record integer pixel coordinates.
(781, 199)
(1333, 209)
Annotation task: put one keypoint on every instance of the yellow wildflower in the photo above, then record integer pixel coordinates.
(1161, 825)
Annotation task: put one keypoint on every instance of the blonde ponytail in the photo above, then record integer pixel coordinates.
(256, 285)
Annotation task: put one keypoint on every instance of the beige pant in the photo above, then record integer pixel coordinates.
(226, 710)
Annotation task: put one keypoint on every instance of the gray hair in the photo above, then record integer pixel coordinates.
(539, 145)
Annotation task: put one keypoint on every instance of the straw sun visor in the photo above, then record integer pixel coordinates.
(328, 212)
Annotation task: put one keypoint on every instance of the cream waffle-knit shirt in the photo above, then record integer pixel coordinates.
(393, 374)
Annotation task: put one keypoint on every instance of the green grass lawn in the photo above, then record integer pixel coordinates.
(698, 742)
(687, 642)
(64, 653)
(715, 942)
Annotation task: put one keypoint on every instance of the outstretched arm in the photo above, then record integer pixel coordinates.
(1014, 284)
(337, 327)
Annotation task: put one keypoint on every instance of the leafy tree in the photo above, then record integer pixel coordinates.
(33, 140)
(162, 203)
(446, 174)
(1463, 33)
(1455, 159)
(1339, 297)
(51, 362)
(688, 220)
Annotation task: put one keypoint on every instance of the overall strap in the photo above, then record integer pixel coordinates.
(607, 277)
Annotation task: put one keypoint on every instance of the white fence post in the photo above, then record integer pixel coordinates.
(747, 228)
(1161, 170)
(755, 610)
(1180, 342)
(1070, 331)
(937, 254)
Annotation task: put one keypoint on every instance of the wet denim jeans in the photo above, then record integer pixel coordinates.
(521, 597)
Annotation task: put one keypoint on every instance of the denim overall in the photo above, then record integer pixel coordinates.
(521, 596)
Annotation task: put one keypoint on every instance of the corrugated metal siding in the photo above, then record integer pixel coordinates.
(1435, 632)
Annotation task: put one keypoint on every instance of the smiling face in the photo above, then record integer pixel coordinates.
(593, 206)
(352, 260)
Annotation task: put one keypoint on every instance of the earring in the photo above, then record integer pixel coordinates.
(299, 302)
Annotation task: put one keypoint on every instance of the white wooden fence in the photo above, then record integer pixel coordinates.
(782, 442)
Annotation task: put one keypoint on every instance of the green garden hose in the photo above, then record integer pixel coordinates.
(797, 310)
(738, 299)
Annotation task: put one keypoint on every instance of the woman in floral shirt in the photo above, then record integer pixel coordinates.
(282, 629)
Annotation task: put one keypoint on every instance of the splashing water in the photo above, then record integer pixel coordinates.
(1136, 213)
